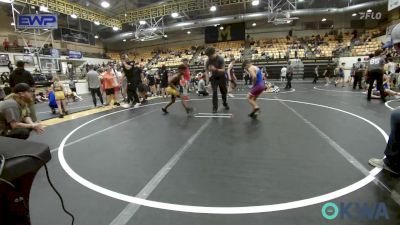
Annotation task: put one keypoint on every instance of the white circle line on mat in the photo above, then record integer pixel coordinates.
(321, 89)
(221, 210)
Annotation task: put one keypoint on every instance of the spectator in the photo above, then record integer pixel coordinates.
(10, 67)
(93, 80)
(358, 69)
(289, 76)
(15, 43)
(6, 45)
(316, 74)
(20, 75)
(15, 121)
(60, 97)
(201, 89)
(2, 93)
(283, 73)
(108, 79)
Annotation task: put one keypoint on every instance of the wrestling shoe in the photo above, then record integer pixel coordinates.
(226, 106)
(380, 164)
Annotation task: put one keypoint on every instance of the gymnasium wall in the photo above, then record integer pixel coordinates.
(261, 31)
(11, 57)
(7, 31)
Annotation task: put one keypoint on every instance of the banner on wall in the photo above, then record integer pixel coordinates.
(392, 4)
(37, 21)
(74, 55)
(228, 32)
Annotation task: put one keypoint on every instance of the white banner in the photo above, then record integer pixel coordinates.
(392, 4)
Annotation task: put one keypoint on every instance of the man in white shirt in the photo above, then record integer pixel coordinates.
(283, 73)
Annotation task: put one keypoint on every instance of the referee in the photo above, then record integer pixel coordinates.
(216, 65)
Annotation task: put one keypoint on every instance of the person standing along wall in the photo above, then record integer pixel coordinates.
(283, 73)
(20, 75)
(289, 76)
(316, 74)
(358, 69)
(133, 75)
(93, 79)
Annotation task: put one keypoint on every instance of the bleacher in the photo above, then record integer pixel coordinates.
(273, 48)
(141, 57)
(326, 50)
(114, 56)
(229, 49)
(174, 57)
(366, 48)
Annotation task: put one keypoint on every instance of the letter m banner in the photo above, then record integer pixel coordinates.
(37, 21)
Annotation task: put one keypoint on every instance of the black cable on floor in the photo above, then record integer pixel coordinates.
(48, 179)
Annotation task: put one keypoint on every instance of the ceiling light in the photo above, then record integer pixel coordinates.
(183, 24)
(124, 40)
(175, 14)
(97, 23)
(323, 19)
(126, 15)
(127, 34)
(165, 35)
(115, 28)
(255, 2)
(32, 7)
(45, 29)
(142, 22)
(217, 19)
(74, 16)
(369, 10)
(189, 32)
(142, 39)
(216, 25)
(354, 14)
(254, 24)
(221, 28)
(96, 36)
(43, 9)
(289, 21)
(7, 1)
(301, 0)
(213, 8)
(12, 24)
(105, 4)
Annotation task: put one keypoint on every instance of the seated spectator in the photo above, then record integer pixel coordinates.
(15, 121)
(201, 89)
